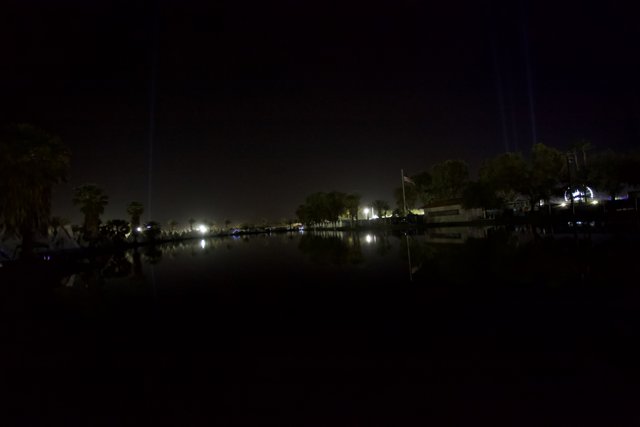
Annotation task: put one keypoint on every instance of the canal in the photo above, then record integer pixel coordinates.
(453, 326)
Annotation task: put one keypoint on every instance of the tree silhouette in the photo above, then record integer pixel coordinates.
(352, 204)
(31, 162)
(135, 211)
(607, 170)
(92, 202)
(115, 230)
(507, 175)
(449, 178)
(381, 207)
(319, 207)
(172, 225)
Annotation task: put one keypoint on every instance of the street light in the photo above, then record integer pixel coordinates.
(366, 212)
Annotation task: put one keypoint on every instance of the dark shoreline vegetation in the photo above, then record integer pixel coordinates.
(511, 184)
(585, 225)
(623, 229)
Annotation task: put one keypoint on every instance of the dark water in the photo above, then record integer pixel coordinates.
(452, 327)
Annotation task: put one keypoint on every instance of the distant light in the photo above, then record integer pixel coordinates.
(203, 228)
(366, 211)
(563, 204)
(148, 227)
(368, 238)
(138, 229)
(203, 244)
(594, 202)
(578, 195)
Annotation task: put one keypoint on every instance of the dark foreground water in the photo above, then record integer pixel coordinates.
(453, 327)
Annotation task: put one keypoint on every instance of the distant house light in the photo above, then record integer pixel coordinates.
(578, 195)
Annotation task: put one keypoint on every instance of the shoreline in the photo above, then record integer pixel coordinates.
(551, 227)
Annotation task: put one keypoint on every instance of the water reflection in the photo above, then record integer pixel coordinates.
(100, 270)
(88, 279)
(455, 235)
(153, 254)
(337, 248)
(117, 266)
(190, 311)
(380, 241)
(472, 256)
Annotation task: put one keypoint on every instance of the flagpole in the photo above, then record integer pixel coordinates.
(404, 200)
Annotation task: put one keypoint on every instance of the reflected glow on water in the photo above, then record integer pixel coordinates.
(438, 256)
(306, 306)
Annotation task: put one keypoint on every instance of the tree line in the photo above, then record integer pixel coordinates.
(542, 175)
(330, 207)
(32, 162)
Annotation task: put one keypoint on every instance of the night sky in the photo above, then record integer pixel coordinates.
(255, 104)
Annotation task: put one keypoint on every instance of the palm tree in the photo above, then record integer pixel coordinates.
(92, 201)
(135, 211)
(31, 162)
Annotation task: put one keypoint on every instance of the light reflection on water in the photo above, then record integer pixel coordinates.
(371, 308)
(458, 255)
